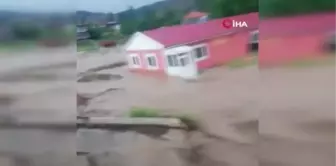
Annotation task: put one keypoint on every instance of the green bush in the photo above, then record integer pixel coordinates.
(143, 112)
(188, 120)
(95, 33)
(26, 31)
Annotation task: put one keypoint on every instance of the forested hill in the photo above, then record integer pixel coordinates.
(170, 12)
(160, 7)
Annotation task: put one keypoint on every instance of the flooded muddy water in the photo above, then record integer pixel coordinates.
(99, 77)
(272, 117)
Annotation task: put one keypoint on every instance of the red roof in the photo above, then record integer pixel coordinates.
(195, 14)
(183, 34)
(298, 25)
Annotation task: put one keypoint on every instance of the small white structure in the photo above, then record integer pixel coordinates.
(181, 62)
(114, 25)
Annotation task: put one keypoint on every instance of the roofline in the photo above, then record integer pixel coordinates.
(198, 12)
(126, 45)
(224, 34)
(130, 40)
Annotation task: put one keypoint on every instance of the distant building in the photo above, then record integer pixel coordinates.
(114, 25)
(95, 21)
(82, 32)
(195, 17)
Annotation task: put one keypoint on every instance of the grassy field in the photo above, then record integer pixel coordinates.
(17, 46)
(87, 45)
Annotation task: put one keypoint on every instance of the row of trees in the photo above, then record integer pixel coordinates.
(33, 31)
(26, 31)
(223, 8)
(273, 8)
(266, 8)
(103, 33)
(149, 19)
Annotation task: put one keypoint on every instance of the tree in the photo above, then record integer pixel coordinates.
(110, 17)
(26, 31)
(152, 20)
(130, 22)
(204, 5)
(273, 8)
(148, 21)
(95, 32)
(82, 16)
(128, 27)
(171, 17)
(224, 8)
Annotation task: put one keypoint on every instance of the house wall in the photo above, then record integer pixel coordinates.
(143, 61)
(141, 45)
(224, 49)
(141, 42)
(280, 50)
(221, 50)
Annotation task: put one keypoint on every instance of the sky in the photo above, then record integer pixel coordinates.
(72, 5)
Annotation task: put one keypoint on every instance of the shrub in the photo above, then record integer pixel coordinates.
(188, 120)
(143, 112)
(95, 33)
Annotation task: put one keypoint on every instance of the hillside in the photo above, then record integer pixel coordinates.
(161, 6)
(7, 18)
(157, 7)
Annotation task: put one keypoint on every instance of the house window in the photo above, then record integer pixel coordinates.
(183, 59)
(329, 44)
(173, 60)
(135, 60)
(254, 38)
(254, 41)
(178, 60)
(152, 61)
(201, 52)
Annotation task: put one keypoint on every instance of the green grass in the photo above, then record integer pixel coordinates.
(17, 46)
(241, 63)
(137, 112)
(188, 120)
(87, 45)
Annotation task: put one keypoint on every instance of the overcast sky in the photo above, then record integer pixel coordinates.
(71, 5)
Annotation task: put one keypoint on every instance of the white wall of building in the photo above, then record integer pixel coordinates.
(140, 41)
(189, 70)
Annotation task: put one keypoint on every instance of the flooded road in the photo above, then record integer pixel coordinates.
(252, 112)
(38, 85)
(290, 109)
